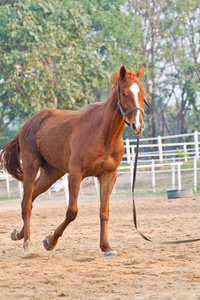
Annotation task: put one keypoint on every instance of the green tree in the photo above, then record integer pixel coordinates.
(47, 57)
(171, 50)
(182, 52)
(117, 32)
(151, 14)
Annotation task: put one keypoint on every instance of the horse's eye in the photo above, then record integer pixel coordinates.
(123, 94)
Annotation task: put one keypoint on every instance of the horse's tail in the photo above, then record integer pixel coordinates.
(9, 158)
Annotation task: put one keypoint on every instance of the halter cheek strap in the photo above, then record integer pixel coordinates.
(124, 114)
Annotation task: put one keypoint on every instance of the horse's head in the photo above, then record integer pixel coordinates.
(131, 98)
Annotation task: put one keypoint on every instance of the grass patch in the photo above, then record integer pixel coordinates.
(198, 187)
(9, 198)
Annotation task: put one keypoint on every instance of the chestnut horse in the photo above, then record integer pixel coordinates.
(81, 143)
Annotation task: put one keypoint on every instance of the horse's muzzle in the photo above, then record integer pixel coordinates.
(137, 129)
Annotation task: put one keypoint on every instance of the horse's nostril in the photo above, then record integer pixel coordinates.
(133, 125)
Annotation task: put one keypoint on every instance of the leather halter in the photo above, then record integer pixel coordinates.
(124, 114)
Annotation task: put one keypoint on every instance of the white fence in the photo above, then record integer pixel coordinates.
(152, 168)
(164, 150)
(154, 154)
(7, 178)
(180, 146)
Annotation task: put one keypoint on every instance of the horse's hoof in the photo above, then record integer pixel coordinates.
(47, 246)
(26, 247)
(14, 235)
(110, 253)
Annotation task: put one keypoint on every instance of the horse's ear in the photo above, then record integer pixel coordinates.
(140, 72)
(122, 72)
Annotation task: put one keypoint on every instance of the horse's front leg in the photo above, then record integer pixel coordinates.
(74, 186)
(107, 181)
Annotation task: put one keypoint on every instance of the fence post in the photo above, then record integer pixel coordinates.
(185, 150)
(173, 175)
(196, 143)
(49, 192)
(179, 177)
(65, 183)
(133, 152)
(195, 174)
(160, 148)
(128, 151)
(96, 186)
(153, 176)
(131, 166)
(20, 189)
(7, 184)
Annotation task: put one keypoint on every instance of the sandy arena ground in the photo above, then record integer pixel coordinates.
(77, 269)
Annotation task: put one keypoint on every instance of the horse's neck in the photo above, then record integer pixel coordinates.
(112, 118)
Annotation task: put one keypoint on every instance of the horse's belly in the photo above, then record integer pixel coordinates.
(56, 155)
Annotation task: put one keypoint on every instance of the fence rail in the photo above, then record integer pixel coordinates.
(153, 171)
(180, 146)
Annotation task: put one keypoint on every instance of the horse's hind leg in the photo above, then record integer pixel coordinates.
(74, 185)
(48, 176)
(30, 168)
(107, 181)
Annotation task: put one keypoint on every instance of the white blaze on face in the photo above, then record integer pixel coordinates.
(135, 90)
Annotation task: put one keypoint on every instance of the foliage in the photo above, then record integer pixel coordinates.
(7, 135)
(60, 53)
(47, 58)
(171, 50)
(117, 32)
(182, 153)
(183, 54)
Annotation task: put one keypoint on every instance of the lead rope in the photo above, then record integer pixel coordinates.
(134, 208)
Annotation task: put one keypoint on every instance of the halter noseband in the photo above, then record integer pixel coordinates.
(124, 114)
